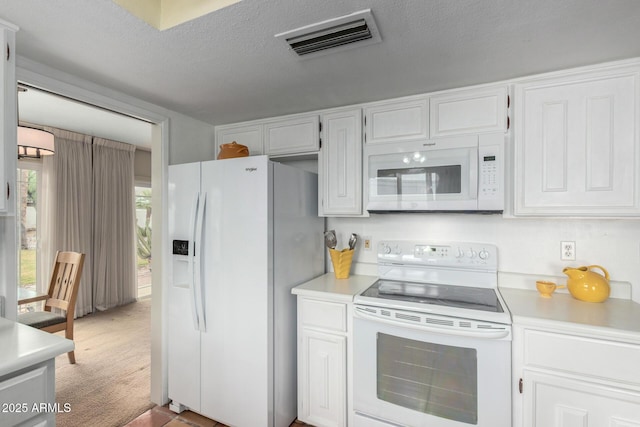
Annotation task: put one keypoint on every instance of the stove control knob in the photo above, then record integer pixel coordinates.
(397, 250)
(460, 253)
(471, 254)
(386, 249)
(484, 254)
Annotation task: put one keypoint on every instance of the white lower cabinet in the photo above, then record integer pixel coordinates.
(28, 396)
(567, 380)
(324, 386)
(553, 400)
(322, 362)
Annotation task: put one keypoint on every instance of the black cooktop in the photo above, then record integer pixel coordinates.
(444, 295)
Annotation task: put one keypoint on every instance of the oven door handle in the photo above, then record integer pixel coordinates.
(475, 333)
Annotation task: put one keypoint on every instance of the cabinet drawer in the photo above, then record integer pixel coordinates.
(584, 356)
(330, 316)
(21, 393)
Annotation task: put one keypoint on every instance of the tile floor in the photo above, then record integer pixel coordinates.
(161, 416)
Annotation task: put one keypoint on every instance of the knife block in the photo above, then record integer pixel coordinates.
(341, 261)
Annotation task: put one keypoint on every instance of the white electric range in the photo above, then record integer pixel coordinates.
(432, 338)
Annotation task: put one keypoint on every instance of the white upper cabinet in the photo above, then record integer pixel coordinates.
(246, 134)
(469, 112)
(292, 135)
(396, 121)
(283, 136)
(8, 118)
(576, 144)
(340, 164)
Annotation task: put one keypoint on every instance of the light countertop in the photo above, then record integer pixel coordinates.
(612, 319)
(23, 346)
(328, 287)
(615, 318)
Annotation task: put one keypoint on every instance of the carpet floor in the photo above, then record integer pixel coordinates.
(110, 383)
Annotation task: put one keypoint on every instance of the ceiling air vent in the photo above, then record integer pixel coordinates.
(346, 32)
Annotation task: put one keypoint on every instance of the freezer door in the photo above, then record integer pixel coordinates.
(237, 344)
(182, 319)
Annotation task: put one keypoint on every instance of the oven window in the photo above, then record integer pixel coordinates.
(431, 378)
(430, 180)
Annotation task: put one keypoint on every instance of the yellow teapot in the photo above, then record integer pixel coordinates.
(587, 285)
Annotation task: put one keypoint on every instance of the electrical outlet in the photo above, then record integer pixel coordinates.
(568, 251)
(366, 243)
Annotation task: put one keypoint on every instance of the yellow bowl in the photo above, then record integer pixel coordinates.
(546, 288)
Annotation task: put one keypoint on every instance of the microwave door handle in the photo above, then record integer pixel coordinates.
(474, 176)
(483, 334)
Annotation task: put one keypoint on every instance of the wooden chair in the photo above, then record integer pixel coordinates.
(63, 290)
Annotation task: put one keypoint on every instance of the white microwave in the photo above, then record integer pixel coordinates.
(458, 174)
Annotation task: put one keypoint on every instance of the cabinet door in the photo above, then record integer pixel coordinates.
(249, 135)
(292, 136)
(8, 121)
(555, 401)
(469, 112)
(396, 121)
(322, 382)
(340, 164)
(30, 388)
(576, 147)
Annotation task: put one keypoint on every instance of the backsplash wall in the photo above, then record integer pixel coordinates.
(529, 246)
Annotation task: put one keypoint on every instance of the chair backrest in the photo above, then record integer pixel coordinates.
(65, 282)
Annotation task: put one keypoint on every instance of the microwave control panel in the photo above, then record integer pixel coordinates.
(491, 172)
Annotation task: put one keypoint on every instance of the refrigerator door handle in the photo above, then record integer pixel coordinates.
(190, 256)
(198, 283)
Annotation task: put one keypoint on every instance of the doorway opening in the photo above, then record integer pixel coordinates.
(158, 156)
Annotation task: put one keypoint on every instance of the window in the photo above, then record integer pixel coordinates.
(143, 240)
(28, 176)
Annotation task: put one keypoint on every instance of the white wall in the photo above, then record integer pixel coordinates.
(142, 166)
(191, 140)
(530, 246)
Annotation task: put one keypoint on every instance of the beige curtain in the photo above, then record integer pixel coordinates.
(46, 207)
(114, 260)
(68, 202)
(88, 205)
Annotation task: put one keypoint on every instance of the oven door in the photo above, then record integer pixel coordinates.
(437, 175)
(418, 375)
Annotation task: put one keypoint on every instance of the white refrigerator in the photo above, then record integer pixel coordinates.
(244, 232)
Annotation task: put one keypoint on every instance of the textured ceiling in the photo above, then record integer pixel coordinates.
(227, 66)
